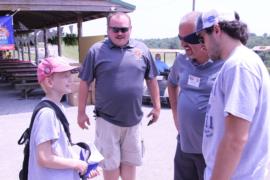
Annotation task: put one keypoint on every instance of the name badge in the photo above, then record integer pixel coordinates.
(194, 81)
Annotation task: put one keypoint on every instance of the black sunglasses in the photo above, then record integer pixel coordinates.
(200, 39)
(118, 29)
(191, 38)
(208, 30)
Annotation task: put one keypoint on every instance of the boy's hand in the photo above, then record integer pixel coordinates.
(94, 173)
(81, 166)
(83, 120)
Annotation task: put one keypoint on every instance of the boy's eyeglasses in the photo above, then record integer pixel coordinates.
(118, 29)
(191, 38)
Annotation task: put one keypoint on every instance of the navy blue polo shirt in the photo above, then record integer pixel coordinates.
(119, 74)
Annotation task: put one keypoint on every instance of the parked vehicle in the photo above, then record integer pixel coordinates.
(163, 91)
(168, 56)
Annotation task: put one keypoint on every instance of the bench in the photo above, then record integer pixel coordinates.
(21, 70)
(14, 63)
(23, 79)
(16, 66)
(8, 73)
(27, 88)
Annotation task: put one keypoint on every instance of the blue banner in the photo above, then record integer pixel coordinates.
(6, 33)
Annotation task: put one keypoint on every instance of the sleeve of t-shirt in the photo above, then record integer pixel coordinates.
(151, 70)
(47, 126)
(87, 69)
(173, 77)
(241, 90)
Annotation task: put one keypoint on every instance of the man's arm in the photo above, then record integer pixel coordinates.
(82, 118)
(154, 92)
(231, 147)
(173, 91)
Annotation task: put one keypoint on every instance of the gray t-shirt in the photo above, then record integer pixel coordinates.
(242, 89)
(119, 74)
(47, 127)
(195, 81)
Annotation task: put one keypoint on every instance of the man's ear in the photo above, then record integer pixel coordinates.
(203, 48)
(216, 29)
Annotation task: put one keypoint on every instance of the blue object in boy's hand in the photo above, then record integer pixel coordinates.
(92, 160)
(89, 169)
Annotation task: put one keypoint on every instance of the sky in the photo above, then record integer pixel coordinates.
(160, 18)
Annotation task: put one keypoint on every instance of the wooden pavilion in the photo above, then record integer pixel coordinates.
(32, 15)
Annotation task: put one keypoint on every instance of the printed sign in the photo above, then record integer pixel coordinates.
(6, 33)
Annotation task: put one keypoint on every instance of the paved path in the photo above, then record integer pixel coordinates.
(159, 140)
(15, 112)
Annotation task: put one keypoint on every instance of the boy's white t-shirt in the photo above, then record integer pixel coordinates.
(242, 89)
(47, 127)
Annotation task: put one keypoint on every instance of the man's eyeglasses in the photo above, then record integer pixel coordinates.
(208, 31)
(200, 39)
(191, 38)
(118, 29)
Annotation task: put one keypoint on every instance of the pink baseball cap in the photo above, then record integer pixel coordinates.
(50, 65)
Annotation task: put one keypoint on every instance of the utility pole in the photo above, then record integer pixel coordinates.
(193, 5)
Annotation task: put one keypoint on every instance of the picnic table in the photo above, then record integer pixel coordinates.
(25, 82)
(27, 88)
(15, 63)
(6, 73)
(23, 77)
(21, 70)
(16, 66)
(8, 60)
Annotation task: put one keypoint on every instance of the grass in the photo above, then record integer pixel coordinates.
(73, 53)
(168, 57)
(70, 52)
(67, 51)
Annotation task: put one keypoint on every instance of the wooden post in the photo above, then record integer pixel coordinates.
(18, 50)
(193, 5)
(36, 47)
(79, 27)
(29, 51)
(164, 57)
(14, 54)
(45, 42)
(59, 41)
(22, 51)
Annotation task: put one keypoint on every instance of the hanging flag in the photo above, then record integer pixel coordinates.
(6, 33)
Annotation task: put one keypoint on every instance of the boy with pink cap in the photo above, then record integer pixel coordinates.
(51, 156)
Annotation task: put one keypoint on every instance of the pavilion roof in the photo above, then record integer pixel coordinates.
(39, 14)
